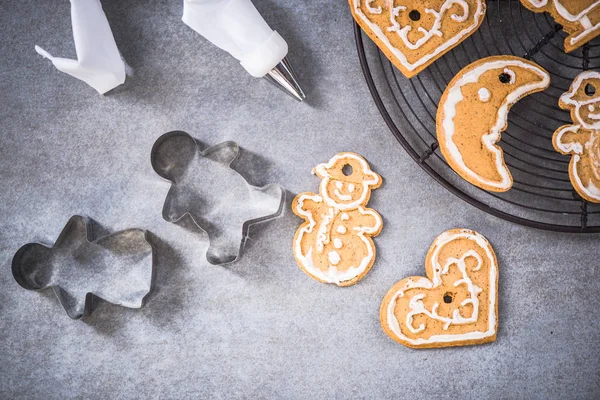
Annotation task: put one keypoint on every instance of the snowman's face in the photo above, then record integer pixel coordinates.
(585, 98)
(588, 114)
(347, 193)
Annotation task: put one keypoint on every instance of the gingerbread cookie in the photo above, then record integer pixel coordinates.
(579, 18)
(456, 305)
(415, 33)
(334, 243)
(582, 139)
(473, 112)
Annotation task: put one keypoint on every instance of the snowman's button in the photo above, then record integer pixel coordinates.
(337, 243)
(334, 258)
(345, 217)
(341, 229)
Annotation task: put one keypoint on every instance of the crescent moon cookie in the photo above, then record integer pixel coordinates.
(579, 18)
(455, 305)
(334, 243)
(473, 112)
(582, 138)
(415, 33)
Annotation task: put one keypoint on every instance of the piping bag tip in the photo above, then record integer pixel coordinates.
(284, 78)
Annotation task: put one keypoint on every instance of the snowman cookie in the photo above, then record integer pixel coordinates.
(473, 112)
(456, 304)
(334, 243)
(579, 18)
(415, 33)
(582, 139)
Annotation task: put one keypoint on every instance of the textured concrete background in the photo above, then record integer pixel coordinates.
(261, 327)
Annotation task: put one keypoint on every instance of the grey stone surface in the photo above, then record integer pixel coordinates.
(259, 328)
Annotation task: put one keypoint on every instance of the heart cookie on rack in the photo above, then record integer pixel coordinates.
(334, 243)
(473, 111)
(415, 33)
(582, 138)
(579, 18)
(456, 304)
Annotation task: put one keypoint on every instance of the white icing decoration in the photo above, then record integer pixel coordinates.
(484, 94)
(562, 11)
(323, 233)
(332, 274)
(576, 149)
(591, 107)
(455, 96)
(341, 196)
(351, 187)
(477, 15)
(511, 73)
(334, 257)
(435, 28)
(371, 179)
(425, 283)
(568, 98)
(417, 306)
(337, 243)
(372, 10)
(582, 17)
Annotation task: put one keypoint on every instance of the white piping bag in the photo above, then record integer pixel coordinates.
(98, 63)
(237, 27)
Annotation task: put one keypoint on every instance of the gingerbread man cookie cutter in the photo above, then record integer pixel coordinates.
(118, 268)
(334, 244)
(217, 198)
(582, 138)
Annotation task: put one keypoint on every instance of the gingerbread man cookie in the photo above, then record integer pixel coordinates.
(456, 304)
(582, 139)
(473, 112)
(579, 18)
(334, 243)
(415, 33)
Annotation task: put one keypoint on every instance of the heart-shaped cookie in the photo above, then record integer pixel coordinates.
(415, 33)
(457, 304)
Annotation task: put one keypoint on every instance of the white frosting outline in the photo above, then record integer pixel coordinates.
(321, 170)
(582, 17)
(454, 96)
(477, 15)
(402, 31)
(332, 275)
(562, 11)
(425, 283)
(417, 307)
(567, 98)
(576, 150)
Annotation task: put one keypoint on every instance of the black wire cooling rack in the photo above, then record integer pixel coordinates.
(542, 195)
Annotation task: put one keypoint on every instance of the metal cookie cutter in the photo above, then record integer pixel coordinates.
(216, 197)
(117, 268)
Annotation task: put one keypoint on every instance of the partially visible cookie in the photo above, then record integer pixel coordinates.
(582, 138)
(473, 112)
(579, 18)
(415, 33)
(334, 243)
(456, 304)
